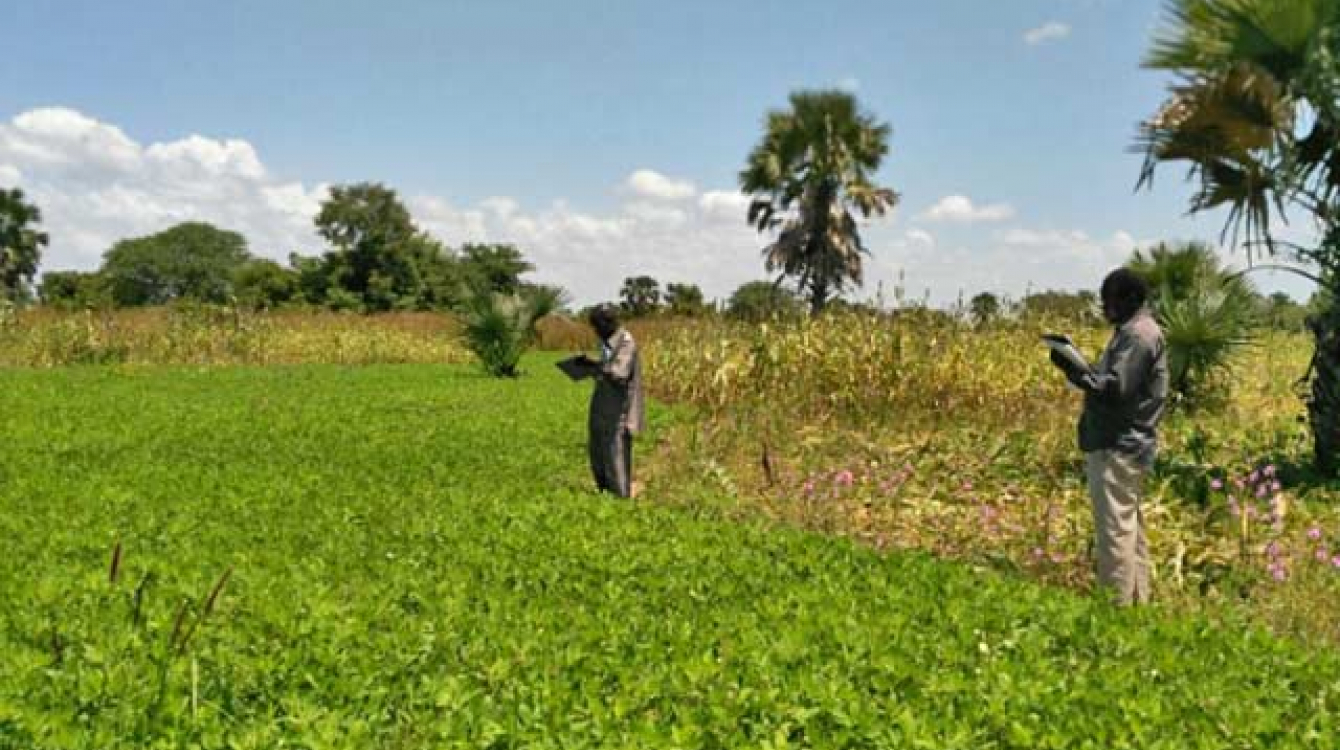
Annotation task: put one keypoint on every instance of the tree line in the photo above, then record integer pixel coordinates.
(1252, 109)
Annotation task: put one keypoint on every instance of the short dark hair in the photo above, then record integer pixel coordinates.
(1126, 287)
(604, 316)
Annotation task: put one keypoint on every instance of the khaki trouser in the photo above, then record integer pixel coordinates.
(1123, 555)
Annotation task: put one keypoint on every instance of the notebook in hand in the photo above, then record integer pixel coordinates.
(577, 367)
(1061, 344)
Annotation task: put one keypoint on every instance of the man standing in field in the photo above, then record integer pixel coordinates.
(1124, 395)
(617, 412)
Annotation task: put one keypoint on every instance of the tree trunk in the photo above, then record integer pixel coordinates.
(818, 298)
(1323, 402)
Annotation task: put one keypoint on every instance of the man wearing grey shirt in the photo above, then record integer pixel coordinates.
(617, 411)
(1124, 397)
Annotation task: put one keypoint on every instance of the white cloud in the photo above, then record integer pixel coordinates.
(1049, 31)
(652, 185)
(959, 208)
(725, 205)
(920, 237)
(705, 242)
(96, 185)
(850, 84)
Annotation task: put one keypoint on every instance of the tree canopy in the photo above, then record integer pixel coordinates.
(21, 243)
(813, 168)
(192, 260)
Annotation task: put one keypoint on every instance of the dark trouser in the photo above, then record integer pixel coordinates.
(611, 454)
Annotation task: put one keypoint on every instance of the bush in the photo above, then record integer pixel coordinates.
(499, 328)
(1206, 311)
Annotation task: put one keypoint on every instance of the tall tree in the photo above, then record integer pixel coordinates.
(494, 268)
(684, 299)
(192, 260)
(757, 301)
(373, 234)
(640, 295)
(1254, 111)
(813, 168)
(984, 308)
(20, 244)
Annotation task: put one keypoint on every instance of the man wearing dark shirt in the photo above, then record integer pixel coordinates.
(1124, 396)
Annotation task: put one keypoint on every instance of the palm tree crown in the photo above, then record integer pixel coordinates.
(811, 170)
(1255, 111)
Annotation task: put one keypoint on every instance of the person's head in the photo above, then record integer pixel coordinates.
(605, 320)
(1123, 293)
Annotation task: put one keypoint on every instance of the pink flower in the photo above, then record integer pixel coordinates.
(1275, 486)
(809, 487)
(1314, 533)
(1322, 554)
(1216, 484)
(1335, 561)
(1252, 477)
(844, 478)
(1261, 491)
(1270, 470)
(967, 486)
(1279, 573)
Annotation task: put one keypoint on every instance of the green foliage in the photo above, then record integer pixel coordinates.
(494, 269)
(1281, 312)
(499, 328)
(1075, 308)
(640, 295)
(74, 290)
(757, 301)
(20, 244)
(813, 168)
(984, 308)
(685, 300)
(1254, 111)
(260, 283)
(189, 261)
(374, 241)
(415, 564)
(1202, 331)
(1206, 311)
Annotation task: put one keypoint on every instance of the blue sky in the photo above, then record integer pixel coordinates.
(604, 138)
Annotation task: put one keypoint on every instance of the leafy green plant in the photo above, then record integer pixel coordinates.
(1207, 313)
(499, 328)
(401, 578)
(1202, 331)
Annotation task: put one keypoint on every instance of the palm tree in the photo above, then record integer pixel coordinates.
(1206, 310)
(20, 244)
(499, 328)
(1255, 113)
(812, 169)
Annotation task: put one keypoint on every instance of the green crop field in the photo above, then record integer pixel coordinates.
(407, 556)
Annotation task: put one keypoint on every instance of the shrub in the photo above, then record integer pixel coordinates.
(499, 328)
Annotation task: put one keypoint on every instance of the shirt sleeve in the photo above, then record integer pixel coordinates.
(619, 368)
(1122, 371)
